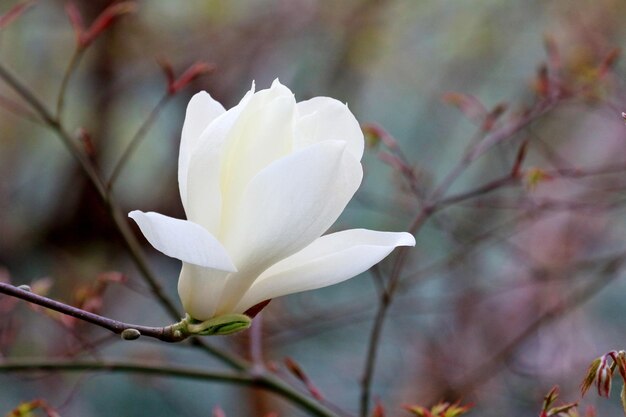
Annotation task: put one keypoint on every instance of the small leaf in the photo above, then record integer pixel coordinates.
(26, 409)
(439, 409)
(455, 410)
(442, 409)
(590, 376)
(604, 376)
(418, 410)
(562, 409)
(550, 398)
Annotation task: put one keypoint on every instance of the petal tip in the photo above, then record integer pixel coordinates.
(134, 214)
(199, 99)
(407, 239)
(202, 93)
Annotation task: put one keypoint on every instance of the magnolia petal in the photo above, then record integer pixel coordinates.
(263, 133)
(287, 206)
(184, 240)
(324, 118)
(328, 260)
(203, 204)
(201, 111)
(200, 290)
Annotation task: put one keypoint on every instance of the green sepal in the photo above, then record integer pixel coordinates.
(218, 326)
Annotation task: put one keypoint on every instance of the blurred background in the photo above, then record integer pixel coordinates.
(505, 295)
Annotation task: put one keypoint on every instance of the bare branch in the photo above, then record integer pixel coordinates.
(128, 331)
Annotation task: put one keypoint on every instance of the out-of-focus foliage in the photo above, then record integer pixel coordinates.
(492, 305)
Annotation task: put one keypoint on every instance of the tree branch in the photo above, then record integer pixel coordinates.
(262, 381)
(128, 331)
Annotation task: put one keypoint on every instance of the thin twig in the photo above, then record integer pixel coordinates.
(136, 140)
(381, 314)
(40, 108)
(427, 208)
(497, 184)
(69, 71)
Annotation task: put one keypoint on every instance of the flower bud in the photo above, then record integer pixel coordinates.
(260, 184)
(130, 334)
(604, 376)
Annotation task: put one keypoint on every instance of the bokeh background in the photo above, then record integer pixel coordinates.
(483, 272)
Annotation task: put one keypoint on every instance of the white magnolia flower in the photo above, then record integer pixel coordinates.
(260, 183)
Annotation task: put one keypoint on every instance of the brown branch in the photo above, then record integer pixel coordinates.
(128, 331)
(263, 381)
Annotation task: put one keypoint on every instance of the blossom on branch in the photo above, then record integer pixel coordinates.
(260, 183)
